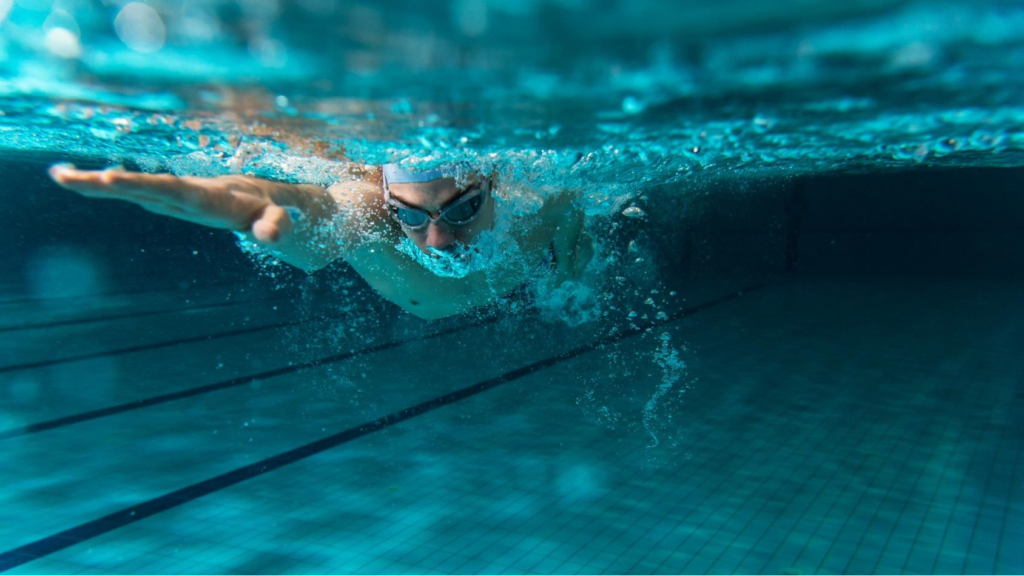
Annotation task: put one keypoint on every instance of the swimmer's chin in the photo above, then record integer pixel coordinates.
(459, 252)
(457, 263)
(453, 256)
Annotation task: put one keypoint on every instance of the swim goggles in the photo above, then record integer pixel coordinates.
(459, 212)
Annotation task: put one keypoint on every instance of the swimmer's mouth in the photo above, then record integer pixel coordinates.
(460, 258)
(460, 252)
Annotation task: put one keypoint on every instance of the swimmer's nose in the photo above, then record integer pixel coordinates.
(439, 236)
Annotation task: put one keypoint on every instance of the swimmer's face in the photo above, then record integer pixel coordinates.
(433, 196)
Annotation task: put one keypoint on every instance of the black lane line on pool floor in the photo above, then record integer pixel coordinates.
(241, 380)
(138, 292)
(111, 522)
(124, 315)
(155, 345)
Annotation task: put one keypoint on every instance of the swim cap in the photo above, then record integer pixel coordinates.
(395, 175)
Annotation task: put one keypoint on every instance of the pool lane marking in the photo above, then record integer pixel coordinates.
(155, 345)
(121, 316)
(136, 292)
(216, 386)
(82, 532)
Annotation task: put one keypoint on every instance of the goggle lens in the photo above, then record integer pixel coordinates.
(411, 218)
(465, 211)
(461, 212)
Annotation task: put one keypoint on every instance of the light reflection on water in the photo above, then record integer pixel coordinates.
(285, 89)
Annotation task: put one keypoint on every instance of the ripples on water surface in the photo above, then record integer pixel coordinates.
(570, 91)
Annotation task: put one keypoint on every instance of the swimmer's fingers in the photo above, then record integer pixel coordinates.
(216, 202)
(162, 187)
(85, 182)
(272, 224)
(138, 185)
(122, 185)
(157, 193)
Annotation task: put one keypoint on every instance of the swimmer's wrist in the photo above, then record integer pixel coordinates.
(311, 200)
(307, 245)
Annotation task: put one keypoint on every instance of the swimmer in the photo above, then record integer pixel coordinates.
(390, 225)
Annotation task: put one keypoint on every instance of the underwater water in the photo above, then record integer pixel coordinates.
(794, 350)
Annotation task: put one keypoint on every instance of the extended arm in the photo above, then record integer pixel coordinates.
(331, 221)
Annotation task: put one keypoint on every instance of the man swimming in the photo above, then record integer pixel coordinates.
(414, 237)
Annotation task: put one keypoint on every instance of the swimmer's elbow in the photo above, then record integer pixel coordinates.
(308, 263)
(310, 268)
(430, 313)
(425, 315)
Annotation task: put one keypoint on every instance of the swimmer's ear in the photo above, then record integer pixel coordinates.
(272, 224)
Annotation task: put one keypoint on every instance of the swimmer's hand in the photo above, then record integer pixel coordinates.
(237, 203)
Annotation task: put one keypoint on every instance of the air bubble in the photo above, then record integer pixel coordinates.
(763, 124)
(62, 43)
(632, 105)
(140, 27)
(947, 145)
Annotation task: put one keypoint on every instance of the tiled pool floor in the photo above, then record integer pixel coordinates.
(855, 427)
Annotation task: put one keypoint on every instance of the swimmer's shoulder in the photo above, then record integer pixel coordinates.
(361, 195)
(359, 185)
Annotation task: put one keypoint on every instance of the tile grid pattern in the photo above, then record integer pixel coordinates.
(1007, 554)
(913, 470)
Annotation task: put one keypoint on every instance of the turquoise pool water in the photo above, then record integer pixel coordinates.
(795, 351)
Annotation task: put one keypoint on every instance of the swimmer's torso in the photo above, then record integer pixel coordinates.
(418, 290)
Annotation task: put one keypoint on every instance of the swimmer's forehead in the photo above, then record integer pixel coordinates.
(431, 194)
(431, 188)
(461, 173)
